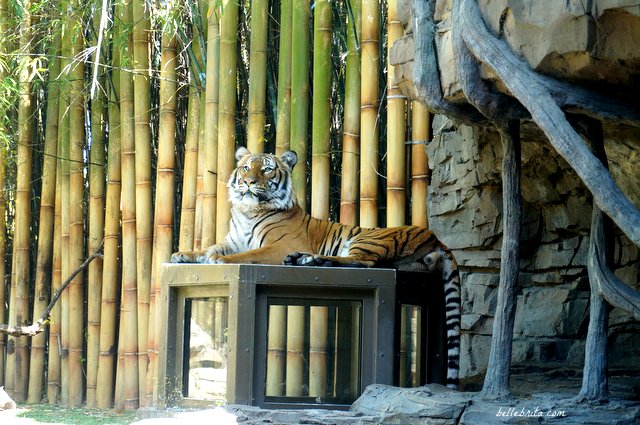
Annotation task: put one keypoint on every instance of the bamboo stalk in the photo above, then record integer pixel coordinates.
(163, 217)
(4, 29)
(210, 189)
(295, 351)
(195, 67)
(76, 212)
(57, 388)
(96, 221)
(17, 368)
(226, 114)
(283, 129)
(321, 121)
(63, 130)
(276, 350)
(350, 183)
(53, 362)
(144, 229)
(319, 321)
(188, 209)
(396, 117)
(257, 76)
(46, 222)
(300, 95)
(403, 354)
(369, 115)
(129, 314)
(110, 269)
(420, 134)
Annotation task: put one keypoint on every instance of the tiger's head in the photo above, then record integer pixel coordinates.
(262, 181)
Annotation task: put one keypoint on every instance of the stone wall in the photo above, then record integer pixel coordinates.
(465, 212)
(590, 43)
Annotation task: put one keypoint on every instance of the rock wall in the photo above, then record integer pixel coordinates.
(465, 211)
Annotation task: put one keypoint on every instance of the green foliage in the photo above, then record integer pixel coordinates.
(46, 413)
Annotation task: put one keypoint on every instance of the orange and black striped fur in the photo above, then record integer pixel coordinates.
(269, 227)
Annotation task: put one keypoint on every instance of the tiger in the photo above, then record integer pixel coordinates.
(268, 226)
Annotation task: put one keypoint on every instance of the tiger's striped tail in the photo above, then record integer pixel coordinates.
(451, 281)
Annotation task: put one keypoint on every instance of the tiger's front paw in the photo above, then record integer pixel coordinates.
(304, 259)
(182, 257)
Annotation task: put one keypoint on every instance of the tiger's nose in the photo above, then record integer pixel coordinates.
(249, 181)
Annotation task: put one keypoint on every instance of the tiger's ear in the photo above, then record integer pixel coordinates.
(241, 153)
(290, 158)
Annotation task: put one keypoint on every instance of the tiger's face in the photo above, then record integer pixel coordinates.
(262, 181)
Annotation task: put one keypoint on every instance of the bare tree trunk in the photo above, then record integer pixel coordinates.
(595, 384)
(496, 383)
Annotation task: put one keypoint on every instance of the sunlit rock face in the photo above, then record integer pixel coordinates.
(592, 44)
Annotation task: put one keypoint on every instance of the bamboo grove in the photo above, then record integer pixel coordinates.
(119, 120)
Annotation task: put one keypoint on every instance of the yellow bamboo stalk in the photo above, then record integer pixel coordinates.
(319, 322)
(276, 350)
(63, 131)
(300, 95)
(144, 230)
(17, 360)
(321, 121)
(420, 134)
(396, 117)
(198, 132)
(350, 182)
(45, 229)
(76, 213)
(53, 362)
(369, 115)
(295, 351)
(210, 160)
(226, 114)
(257, 76)
(110, 269)
(57, 379)
(163, 216)
(283, 128)
(129, 314)
(190, 170)
(96, 222)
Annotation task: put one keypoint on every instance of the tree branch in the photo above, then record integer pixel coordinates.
(532, 90)
(426, 76)
(38, 326)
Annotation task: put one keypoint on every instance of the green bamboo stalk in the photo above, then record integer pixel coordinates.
(369, 115)
(283, 129)
(4, 29)
(257, 76)
(226, 114)
(321, 121)
(300, 95)
(350, 182)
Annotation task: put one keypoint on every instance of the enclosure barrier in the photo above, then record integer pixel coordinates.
(277, 336)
